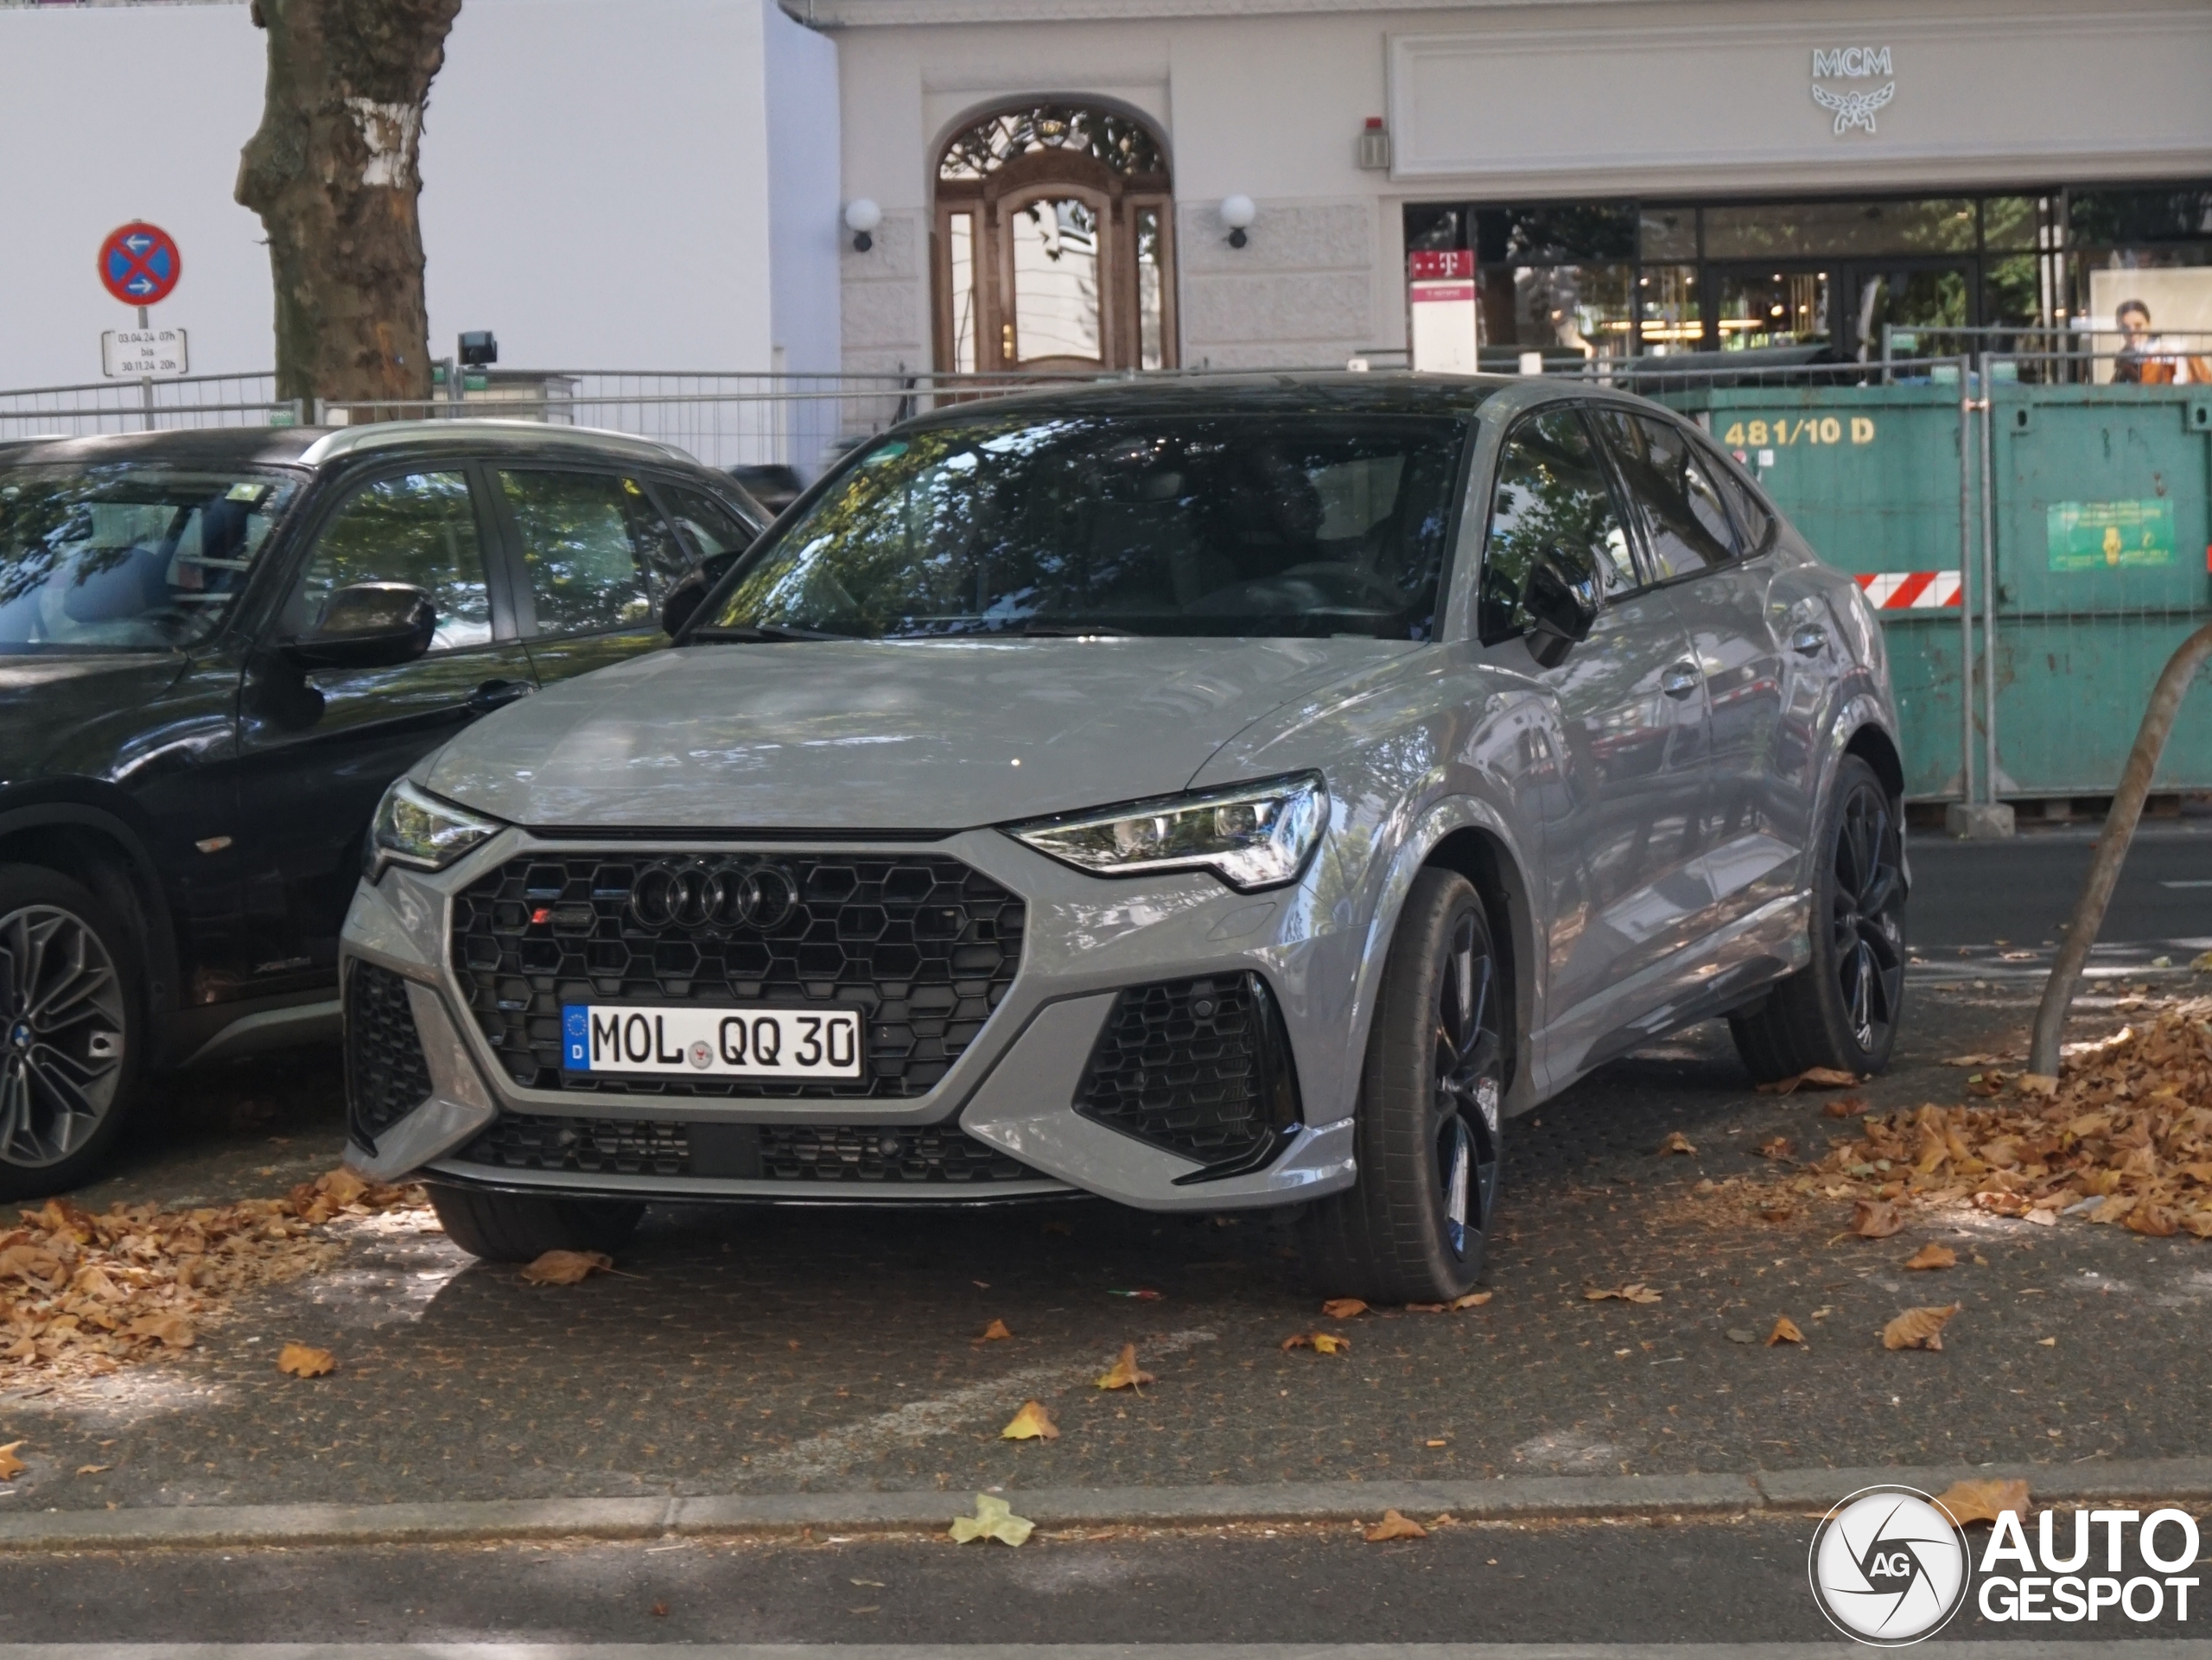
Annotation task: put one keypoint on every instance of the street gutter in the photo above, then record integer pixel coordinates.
(2153, 1481)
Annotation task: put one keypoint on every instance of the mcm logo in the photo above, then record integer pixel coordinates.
(1852, 107)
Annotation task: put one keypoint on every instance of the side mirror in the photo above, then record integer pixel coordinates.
(1561, 595)
(368, 626)
(677, 605)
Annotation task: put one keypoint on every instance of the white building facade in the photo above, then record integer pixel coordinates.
(1615, 175)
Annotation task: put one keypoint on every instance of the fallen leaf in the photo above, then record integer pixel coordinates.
(1675, 1142)
(1032, 1422)
(1785, 1331)
(1975, 1060)
(1394, 1526)
(1875, 1219)
(567, 1267)
(2047, 1342)
(301, 1361)
(1933, 1256)
(1636, 1293)
(2037, 1084)
(993, 1519)
(2047, 1219)
(1777, 1147)
(1126, 1374)
(1473, 1299)
(1344, 1307)
(342, 1186)
(10, 1466)
(1813, 1078)
(172, 1330)
(1741, 1334)
(93, 1469)
(1296, 1340)
(1983, 1500)
(1842, 1108)
(1918, 1328)
(2154, 1221)
(994, 1332)
(659, 1611)
(1328, 1343)
(1424, 1308)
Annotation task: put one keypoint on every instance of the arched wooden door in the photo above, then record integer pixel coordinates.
(1055, 244)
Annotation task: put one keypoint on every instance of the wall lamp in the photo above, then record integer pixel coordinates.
(1237, 212)
(862, 216)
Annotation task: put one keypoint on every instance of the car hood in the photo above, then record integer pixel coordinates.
(896, 734)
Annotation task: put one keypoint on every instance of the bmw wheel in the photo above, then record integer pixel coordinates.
(1841, 1009)
(69, 994)
(1427, 1133)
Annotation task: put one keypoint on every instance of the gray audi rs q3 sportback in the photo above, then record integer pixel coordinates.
(1204, 794)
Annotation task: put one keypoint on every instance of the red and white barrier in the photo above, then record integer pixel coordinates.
(1910, 590)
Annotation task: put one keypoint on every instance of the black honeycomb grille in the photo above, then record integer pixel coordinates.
(925, 945)
(386, 1075)
(1197, 1067)
(894, 1155)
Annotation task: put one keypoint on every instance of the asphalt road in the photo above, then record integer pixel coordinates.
(1972, 893)
(1644, 1582)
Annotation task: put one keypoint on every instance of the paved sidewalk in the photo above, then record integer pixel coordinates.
(796, 1351)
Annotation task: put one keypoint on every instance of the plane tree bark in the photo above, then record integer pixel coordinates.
(333, 172)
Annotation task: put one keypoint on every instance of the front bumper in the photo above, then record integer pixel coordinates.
(1000, 1123)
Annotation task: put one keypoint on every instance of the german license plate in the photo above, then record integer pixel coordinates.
(791, 1043)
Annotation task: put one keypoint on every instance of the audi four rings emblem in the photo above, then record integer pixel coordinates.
(695, 894)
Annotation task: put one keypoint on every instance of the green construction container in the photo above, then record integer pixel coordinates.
(1869, 476)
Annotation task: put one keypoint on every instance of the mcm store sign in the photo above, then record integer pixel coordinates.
(1853, 106)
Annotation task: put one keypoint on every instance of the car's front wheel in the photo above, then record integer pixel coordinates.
(522, 1227)
(69, 1048)
(1841, 1009)
(1426, 1127)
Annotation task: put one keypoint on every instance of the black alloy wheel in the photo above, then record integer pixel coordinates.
(1843, 1008)
(66, 990)
(1426, 1129)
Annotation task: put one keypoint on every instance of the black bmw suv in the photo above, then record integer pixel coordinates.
(216, 649)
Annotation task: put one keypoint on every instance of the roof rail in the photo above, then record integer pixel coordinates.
(406, 434)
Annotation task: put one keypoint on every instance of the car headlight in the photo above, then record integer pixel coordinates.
(416, 829)
(1252, 836)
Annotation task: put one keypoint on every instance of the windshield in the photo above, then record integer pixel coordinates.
(1230, 524)
(126, 557)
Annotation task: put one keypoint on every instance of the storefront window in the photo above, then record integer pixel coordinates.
(2011, 222)
(961, 231)
(1585, 308)
(1669, 317)
(1783, 308)
(1669, 232)
(1825, 230)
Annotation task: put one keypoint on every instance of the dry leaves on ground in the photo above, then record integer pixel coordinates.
(1319, 1342)
(83, 1292)
(1473, 1299)
(1126, 1373)
(1344, 1307)
(993, 1519)
(995, 1332)
(1844, 1107)
(2123, 1135)
(1675, 1142)
(1875, 1219)
(1813, 1078)
(567, 1267)
(1032, 1423)
(1918, 1328)
(1777, 1147)
(1785, 1331)
(300, 1361)
(1933, 1256)
(1394, 1526)
(1636, 1292)
(1983, 1500)
(10, 1466)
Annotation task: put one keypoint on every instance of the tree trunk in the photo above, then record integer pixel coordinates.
(332, 173)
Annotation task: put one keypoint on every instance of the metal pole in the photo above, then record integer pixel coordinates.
(1966, 589)
(2112, 848)
(1988, 591)
(145, 382)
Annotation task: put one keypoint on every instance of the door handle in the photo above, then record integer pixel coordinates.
(498, 694)
(1680, 681)
(1810, 641)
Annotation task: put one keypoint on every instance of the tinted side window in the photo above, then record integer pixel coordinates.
(1685, 523)
(418, 528)
(597, 551)
(1551, 493)
(713, 529)
(1754, 518)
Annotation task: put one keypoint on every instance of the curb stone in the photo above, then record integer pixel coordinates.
(1516, 1498)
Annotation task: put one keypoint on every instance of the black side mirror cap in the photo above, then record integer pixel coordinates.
(367, 626)
(1562, 595)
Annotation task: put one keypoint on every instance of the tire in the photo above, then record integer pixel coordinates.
(72, 1048)
(1842, 1009)
(522, 1227)
(1426, 1129)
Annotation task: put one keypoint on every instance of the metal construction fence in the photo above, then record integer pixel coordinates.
(2032, 526)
